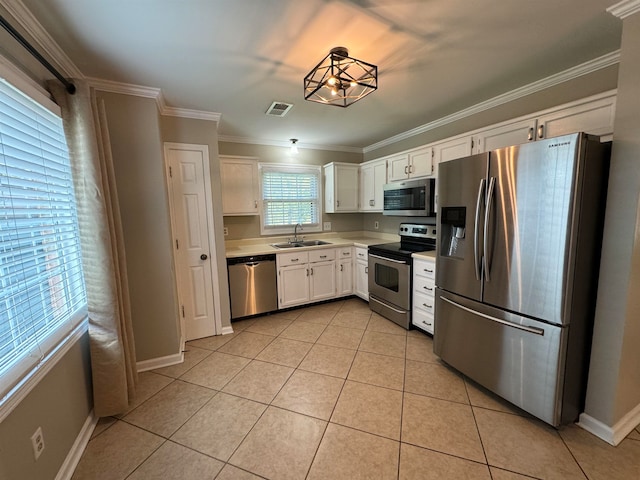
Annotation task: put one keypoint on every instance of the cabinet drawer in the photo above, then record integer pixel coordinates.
(424, 285)
(293, 258)
(362, 254)
(424, 302)
(322, 255)
(422, 320)
(424, 268)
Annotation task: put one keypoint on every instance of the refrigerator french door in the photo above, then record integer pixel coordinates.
(517, 265)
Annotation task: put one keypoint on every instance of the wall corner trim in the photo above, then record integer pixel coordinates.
(615, 434)
(160, 362)
(77, 449)
(624, 9)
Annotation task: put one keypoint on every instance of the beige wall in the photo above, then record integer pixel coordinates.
(249, 226)
(203, 132)
(60, 403)
(136, 142)
(614, 376)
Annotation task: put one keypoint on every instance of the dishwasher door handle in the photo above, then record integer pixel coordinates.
(251, 264)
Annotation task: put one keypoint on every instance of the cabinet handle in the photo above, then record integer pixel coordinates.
(530, 135)
(366, 269)
(427, 288)
(312, 271)
(295, 259)
(427, 306)
(323, 256)
(541, 131)
(307, 272)
(255, 204)
(406, 168)
(428, 271)
(372, 203)
(337, 203)
(341, 267)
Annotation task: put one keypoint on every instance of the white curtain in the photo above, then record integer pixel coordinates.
(103, 258)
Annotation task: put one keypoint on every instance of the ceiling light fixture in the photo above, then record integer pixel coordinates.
(294, 147)
(340, 80)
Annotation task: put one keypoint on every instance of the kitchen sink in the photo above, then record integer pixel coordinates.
(304, 243)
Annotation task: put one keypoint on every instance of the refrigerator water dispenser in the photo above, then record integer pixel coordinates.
(453, 231)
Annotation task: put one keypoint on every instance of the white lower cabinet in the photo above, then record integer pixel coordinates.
(362, 273)
(344, 271)
(424, 274)
(305, 277)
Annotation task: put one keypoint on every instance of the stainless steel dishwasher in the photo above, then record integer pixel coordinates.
(252, 285)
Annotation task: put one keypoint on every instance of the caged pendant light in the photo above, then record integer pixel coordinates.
(340, 80)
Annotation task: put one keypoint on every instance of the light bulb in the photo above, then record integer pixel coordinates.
(353, 84)
(332, 81)
(294, 147)
(334, 91)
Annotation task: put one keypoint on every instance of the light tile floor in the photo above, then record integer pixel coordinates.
(334, 392)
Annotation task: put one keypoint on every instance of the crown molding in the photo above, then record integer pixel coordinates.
(126, 89)
(189, 113)
(625, 8)
(35, 30)
(564, 76)
(287, 144)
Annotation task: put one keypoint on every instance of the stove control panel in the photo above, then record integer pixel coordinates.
(417, 230)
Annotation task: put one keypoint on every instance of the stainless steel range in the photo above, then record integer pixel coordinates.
(390, 274)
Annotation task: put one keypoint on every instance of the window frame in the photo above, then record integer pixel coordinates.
(31, 364)
(288, 168)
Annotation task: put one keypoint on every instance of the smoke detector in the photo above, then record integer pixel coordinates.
(279, 109)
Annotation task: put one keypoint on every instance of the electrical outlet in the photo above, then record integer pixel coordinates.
(376, 225)
(326, 226)
(225, 231)
(37, 442)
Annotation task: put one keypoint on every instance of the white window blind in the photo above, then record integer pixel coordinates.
(42, 293)
(290, 195)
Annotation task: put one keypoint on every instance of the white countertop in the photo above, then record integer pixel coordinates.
(262, 246)
(425, 255)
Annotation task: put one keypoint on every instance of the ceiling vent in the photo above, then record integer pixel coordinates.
(279, 109)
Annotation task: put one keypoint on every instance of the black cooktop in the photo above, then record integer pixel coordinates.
(413, 238)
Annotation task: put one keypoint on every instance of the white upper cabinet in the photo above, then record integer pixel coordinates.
(373, 176)
(341, 187)
(456, 147)
(410, 164)
(240, 185)
(593, 115)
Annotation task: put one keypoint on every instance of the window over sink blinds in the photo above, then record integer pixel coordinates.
(290, 195)
(42, 293)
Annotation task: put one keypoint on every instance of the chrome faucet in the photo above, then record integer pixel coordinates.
(295, 233)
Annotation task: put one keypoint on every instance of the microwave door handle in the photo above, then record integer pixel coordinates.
(487, 215)
(476, 230)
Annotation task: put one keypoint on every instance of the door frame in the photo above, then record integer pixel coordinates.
(213, 264)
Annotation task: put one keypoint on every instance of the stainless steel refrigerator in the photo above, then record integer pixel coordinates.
(520, 232)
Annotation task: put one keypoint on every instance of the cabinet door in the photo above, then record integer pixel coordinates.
(344, 275)
(506, 135)
(398, 167)
(594, 117)
(293, 285)
(373, 176)
(421, 162)
(240, 190)
(362, 280)
(346, 178)
(322, 277)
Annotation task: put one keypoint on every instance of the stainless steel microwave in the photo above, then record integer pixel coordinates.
(413, 198)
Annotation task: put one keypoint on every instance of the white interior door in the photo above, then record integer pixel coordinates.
(192, 225)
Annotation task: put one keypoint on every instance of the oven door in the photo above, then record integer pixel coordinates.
(390, 280)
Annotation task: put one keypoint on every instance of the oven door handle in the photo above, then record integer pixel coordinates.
(389, 259)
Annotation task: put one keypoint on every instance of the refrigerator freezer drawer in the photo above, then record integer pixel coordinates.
(520, 359)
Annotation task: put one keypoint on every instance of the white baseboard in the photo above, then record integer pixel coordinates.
(613, 435)
(227, 330)
(77, 449)
(160, 362)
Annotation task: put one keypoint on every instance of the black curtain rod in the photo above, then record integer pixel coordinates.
(71, 88)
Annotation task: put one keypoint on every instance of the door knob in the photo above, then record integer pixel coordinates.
(203, 256)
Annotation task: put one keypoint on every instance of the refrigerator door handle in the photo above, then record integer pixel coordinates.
(487, 214)
(537, 331)
(476, 230)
